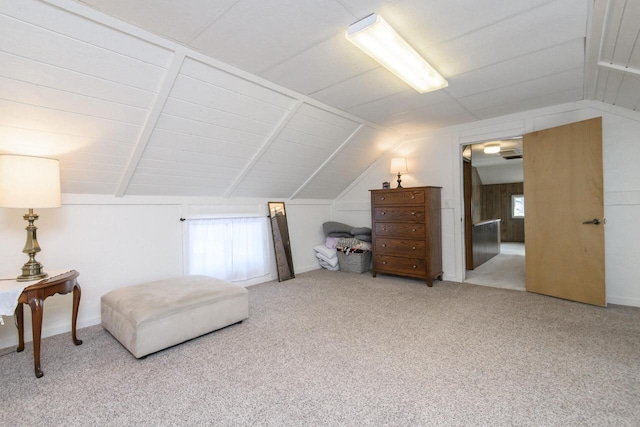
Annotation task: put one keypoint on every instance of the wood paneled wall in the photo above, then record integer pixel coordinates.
(476, 197)
(496, 204)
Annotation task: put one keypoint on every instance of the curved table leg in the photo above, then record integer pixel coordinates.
(77, 292)
(20, 321)
(37, 307)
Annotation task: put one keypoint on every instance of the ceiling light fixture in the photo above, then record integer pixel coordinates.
(491, 148)
(379, 40)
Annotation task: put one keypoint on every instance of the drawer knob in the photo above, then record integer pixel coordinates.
(413, 213)
(381, 198)
(384, 245)
(415, 266)
(413, 197)
(413, 230)
(384, 228)
(383, 213)
(414, 248)
(384, 262)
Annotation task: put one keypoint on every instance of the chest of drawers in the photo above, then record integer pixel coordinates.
(406, 232)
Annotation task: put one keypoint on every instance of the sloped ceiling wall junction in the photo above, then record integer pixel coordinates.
(129, 113)
(253, 98)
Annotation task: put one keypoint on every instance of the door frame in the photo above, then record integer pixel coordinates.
(462, 143)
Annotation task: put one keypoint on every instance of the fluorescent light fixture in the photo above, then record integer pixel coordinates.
(381, 42)
(491, 148)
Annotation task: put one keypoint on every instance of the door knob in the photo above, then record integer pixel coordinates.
(594, 221)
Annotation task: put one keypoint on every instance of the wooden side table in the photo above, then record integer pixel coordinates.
(35, 295)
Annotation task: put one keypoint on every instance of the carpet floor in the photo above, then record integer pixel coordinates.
(343, 349)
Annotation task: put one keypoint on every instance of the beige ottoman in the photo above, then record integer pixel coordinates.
(152, 316)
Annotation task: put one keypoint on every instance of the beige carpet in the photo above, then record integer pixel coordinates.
(342, 349)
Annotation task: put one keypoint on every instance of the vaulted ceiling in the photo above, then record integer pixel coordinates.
(254, 98)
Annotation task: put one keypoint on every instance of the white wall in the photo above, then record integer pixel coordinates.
(115, 242)
(435, 159)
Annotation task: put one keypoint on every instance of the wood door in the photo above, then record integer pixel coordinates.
(563, 196)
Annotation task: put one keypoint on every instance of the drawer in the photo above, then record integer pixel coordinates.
(400, 247)
(400, 230)
(398, 197)
(399, 214)
(399, 265)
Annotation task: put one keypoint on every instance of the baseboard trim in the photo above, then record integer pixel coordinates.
(631, 302)
(12, 340)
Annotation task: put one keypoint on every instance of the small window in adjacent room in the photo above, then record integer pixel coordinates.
(517, 206)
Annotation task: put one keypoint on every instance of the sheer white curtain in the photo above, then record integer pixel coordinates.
(231, 249)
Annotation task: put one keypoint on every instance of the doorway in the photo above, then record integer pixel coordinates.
(494, 213)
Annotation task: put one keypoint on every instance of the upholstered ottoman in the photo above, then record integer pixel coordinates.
(152, 316)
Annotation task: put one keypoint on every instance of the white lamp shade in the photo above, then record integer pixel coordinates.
(29, 182)
(379, 40)
(399, 165)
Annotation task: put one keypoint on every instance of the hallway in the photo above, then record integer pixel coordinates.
(505, 270)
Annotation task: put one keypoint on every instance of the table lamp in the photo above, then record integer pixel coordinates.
(399, 166)
(29, 182)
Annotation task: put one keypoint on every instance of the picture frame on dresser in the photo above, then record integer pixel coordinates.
(406, 232)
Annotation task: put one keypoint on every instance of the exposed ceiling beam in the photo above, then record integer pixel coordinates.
(263, 148)
(152, 119)
(326, 162)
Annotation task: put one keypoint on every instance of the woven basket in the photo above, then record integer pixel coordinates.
(355, 262)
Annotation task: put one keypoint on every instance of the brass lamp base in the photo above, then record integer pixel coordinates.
(32, 272)
(32, 269)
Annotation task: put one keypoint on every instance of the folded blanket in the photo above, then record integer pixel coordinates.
(328, 266)
(360, 230)
(327, 252)
(331, 228)
(331, 261)
(363, 237)
(348, 245)
(330, 242)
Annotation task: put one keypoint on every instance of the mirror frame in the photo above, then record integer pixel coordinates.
(281, 241)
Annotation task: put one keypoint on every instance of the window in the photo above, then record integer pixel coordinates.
(232, 249)
(517, 206)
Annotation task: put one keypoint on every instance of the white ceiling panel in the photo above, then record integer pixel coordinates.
(212, 131)
(196, 144)
(222, 99)
(129, 111)
(383, 109)
(427, 23)
(439, 115)
(46, 46)
(532, 103)
(55, 99)
(621, 35)
(262, 37)
(550, 84)
(175, 19)
(57, 21)
(310, 71)
(23, 116)
(36, 72)
(552, 24)
(612, 87)
(629, 93)
(193, 111)
(232, 83)
(553, 60)
(366, 87)
(361, 151)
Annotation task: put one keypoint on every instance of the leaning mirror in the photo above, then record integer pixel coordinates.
(281, 243)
